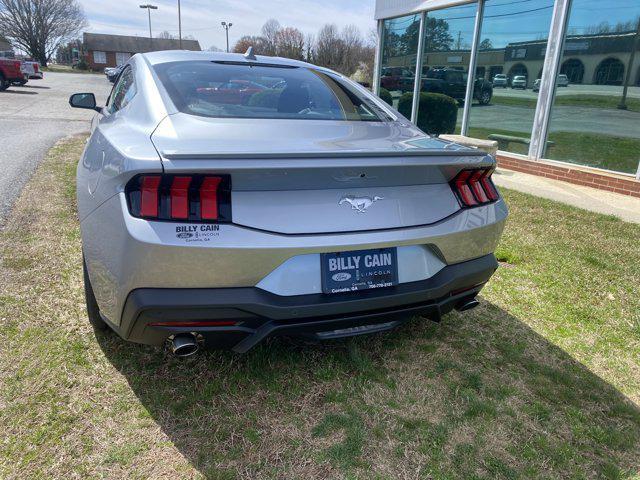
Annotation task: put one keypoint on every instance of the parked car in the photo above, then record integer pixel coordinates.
(519, 81)
(454, 84)
(563, 81)
(113, 73)
(234, 92)
(397, 79)
(206, 223)
(11, 73)
(500, 80)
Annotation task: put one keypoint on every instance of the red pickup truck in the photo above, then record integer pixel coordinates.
(10, 72)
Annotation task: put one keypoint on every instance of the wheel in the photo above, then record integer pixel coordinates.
(93, 311)
(3, 83)
(485, 97)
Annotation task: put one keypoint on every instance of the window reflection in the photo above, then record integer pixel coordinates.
(399, 51)
(448, 34)
(513, 43)
(592, 122)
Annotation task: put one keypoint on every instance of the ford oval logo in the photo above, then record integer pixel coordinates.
(341, 276)
(184, 235)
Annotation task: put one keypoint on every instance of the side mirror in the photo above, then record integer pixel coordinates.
(84, 100)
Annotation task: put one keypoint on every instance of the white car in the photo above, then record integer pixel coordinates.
(519, 81)
(563, 81)
(500, 80)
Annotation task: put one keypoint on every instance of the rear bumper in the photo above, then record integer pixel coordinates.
(261, 314)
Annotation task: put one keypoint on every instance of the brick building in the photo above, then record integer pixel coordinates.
(102, 50)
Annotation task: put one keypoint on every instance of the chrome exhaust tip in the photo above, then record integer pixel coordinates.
(184, 345)
(467, 304)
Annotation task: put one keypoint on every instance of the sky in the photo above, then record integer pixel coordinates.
(202, 18)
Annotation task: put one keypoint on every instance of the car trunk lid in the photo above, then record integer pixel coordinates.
(308, 177)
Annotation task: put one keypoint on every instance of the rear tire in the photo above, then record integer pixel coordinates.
(93, 311)
(3, 83)
(485, 97)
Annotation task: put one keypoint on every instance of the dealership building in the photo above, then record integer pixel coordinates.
(575, 113)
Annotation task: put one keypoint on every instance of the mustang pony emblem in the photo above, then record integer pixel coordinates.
(359, 203)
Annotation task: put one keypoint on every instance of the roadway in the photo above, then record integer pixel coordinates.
(33, 118)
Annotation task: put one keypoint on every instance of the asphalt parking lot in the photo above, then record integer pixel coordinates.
(33, 118)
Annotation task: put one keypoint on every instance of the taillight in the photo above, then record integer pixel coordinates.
(209, 198)
(188, 198)
(36, 67)
(474, 187)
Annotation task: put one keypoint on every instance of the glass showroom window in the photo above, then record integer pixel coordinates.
(592, 121)
(398, 61)
(511, 53)
(448, 34)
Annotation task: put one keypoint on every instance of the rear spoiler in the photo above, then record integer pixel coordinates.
(461, 152)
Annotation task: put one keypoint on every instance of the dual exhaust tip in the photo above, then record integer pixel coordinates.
(467, 304)
(184, 345)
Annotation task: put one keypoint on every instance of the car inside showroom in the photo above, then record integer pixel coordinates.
(554, 80)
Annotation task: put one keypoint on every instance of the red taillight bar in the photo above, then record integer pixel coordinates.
(488, 185)
(209, 198)
(196, 323)
(474, 187)
(463, 188)
(180, 197)
(149, 198)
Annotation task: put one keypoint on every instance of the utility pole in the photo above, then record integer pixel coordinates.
(226, 27)
(627, 79)
(149, 7)
(179, 27)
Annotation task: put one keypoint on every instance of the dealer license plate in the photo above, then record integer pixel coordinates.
(359, 270)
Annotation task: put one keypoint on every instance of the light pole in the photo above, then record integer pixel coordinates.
(628, 78)
(149, 7)
(179, 27)
(226, 27)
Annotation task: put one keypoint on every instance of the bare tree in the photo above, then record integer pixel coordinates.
(214, 48)
(344, 51)
(270, 32)
(329, 47)
(309, 44)
(290, 43)
(165, 34)
(259, 45)
(40, 26)
(352, 46)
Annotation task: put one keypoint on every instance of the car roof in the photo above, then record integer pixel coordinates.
(166, 56)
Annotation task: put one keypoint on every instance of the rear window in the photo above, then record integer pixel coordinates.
(249, 90)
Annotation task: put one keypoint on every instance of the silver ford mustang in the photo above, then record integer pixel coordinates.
(226, 198)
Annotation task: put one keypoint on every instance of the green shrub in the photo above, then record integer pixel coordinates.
(437, 113)
(266, 98)
(82, 64)
(386, 96)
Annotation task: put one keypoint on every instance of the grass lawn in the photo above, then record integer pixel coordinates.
(541, 381)
(594, 101)
(590, 149)
(65, 69)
